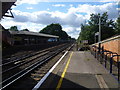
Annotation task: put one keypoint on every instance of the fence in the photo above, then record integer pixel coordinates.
(105, 57)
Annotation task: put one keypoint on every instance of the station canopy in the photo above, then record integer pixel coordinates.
(32, 33)
(6, 7)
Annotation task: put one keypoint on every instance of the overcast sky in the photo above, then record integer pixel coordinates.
(36, 14)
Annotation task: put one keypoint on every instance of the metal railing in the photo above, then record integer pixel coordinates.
(106, 58)
(118, 65)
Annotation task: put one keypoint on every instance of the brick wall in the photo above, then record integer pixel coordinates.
(111, 44)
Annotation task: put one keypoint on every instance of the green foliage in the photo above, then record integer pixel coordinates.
(55, 29)
(25, 30)
(51, 29)
(118, 26)
(13, 28)
(88, 31)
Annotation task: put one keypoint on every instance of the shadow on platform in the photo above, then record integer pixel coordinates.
(52, 81)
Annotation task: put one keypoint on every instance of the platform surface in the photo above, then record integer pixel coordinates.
(79, 69)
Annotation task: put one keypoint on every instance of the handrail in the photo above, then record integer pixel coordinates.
(105, 57)
(118, 65)
(112, 55)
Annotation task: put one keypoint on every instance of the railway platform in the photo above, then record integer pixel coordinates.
(79, 69)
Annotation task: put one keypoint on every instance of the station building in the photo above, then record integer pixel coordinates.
(30, 38)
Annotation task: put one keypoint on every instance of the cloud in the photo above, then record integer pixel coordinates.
(29, 8)
(20, 16)
(71, 5)
(7, 23)
(46, 17)
(74, 35)
(19, 2)
(59, 5)
(74, 20)
(108, 0)
(69, 29)
(70, 21)
(72, 31)
(31, 26)
(48, 9)
(89, 9)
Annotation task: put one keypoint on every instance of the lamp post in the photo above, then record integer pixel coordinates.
(99, 30)
(98, 33)
(99, 37)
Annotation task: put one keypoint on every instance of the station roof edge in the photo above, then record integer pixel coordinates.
(32, 33)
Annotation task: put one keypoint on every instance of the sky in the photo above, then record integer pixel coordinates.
(37, 14)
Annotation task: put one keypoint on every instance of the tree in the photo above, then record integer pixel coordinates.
(118, 26)
(63, 35)
(25, 30)
(52, 29)
(13, 28)
(55, 29)
(88, 31)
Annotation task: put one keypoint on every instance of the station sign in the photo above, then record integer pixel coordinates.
(97, 33)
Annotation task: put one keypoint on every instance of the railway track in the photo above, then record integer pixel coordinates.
(21, 55)
(18, 60)
(13, 57)
(32, 67)
(19, 64)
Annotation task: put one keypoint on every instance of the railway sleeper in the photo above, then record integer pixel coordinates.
(37, 75)
(37, 79)
(40, 72)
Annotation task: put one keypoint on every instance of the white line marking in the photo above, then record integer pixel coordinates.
(101, 82)
(48, 73)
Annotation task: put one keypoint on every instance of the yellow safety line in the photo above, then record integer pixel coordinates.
(63, 74)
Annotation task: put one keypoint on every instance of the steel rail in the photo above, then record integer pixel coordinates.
(24, 62)
(17, 76)
(27, 56)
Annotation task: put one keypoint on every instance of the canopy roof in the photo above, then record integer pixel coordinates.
(32, 33)
(6, 6)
